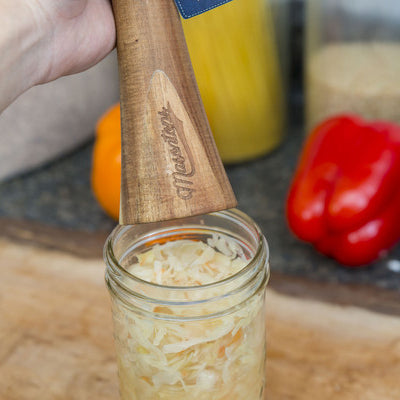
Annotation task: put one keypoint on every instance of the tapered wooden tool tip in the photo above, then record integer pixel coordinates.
(170, 165)
(171, 169)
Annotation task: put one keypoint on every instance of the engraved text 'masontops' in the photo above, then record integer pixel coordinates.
(181, 156)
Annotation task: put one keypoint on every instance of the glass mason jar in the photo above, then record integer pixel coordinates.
(233, 49)
(352, 59)
(203, 342)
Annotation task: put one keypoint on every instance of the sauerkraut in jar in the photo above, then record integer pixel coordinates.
(188, 302)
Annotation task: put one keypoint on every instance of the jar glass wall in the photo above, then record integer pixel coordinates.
(352, 59)
(203, 341)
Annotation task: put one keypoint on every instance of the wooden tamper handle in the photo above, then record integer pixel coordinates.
(170, 164)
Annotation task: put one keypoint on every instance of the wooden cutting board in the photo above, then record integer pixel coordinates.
(56, 332)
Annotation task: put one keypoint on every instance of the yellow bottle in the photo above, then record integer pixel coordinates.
(234, 57)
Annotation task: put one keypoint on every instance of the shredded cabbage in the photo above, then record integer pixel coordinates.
(220, 358)
(188, 263)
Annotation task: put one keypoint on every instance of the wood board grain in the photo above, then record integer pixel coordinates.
(56, 337)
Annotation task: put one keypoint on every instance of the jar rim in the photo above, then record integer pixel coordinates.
(261, 245)
(204, 301)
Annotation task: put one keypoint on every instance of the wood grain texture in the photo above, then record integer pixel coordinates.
(170, 165)
(55, 327)
(324, 351)
(56, 337)
(83, 244)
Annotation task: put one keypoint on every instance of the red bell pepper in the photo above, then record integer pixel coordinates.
(345, 195)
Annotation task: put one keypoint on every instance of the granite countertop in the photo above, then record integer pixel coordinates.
(59, 195)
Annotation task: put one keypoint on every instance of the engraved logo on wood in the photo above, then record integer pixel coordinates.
(181, 156)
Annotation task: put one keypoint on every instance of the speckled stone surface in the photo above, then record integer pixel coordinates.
(60, 195)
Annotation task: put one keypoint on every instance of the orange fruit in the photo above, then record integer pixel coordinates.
(106, 164)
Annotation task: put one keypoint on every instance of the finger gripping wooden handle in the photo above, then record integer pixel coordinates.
(170, 165)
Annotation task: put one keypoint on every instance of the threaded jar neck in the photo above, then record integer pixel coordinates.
(187, 302)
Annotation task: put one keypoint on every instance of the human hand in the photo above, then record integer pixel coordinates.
(80, 33)
(41, 40)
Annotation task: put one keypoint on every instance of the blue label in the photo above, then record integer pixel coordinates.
(190, 8)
